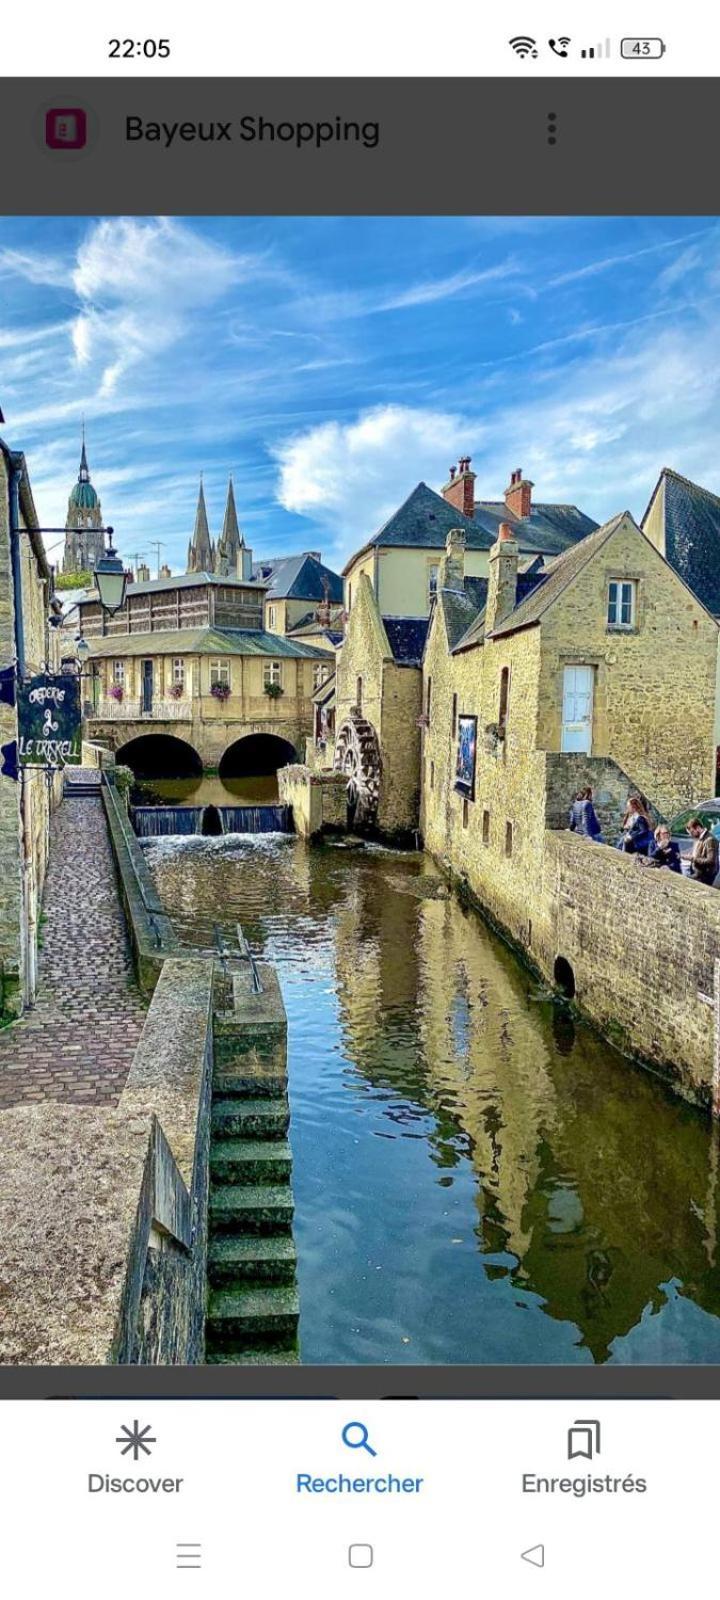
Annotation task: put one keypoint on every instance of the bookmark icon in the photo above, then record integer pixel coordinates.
(584, 1439)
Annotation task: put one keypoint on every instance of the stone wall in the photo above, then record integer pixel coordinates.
(390, 697)
(642, 946)
(152, 935)
(25, 805)
(318, 799)
(104, 1212)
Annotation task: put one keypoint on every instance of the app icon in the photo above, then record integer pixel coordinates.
(66, 128)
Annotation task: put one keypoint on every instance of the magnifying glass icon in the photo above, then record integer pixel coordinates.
(355, 1436)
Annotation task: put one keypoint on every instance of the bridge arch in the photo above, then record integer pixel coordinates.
(160, 755)
(256, 755)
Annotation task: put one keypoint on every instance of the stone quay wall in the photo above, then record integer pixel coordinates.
(643, 946)
(152, 935)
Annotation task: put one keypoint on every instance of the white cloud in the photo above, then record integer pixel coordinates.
(595, 432)
(422, 294)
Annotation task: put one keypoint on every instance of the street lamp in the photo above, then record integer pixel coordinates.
(110, 578)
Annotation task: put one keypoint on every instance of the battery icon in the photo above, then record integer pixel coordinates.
(642, 49)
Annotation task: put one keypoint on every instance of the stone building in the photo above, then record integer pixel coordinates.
(682, 520)
(25, 802)
(187, 662)
(377, 706)
(84, 539)
(303, 596)
(403, 559)
(599, 669)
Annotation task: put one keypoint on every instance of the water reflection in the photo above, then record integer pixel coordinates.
(206, 791)
(477, 1177)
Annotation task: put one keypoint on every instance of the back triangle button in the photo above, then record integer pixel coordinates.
(535, 1555)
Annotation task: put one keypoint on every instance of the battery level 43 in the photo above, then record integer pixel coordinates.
(642, 49)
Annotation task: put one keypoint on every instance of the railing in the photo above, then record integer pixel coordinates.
(131, 711)
(244, 953)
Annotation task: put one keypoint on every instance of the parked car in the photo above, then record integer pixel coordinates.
(709, 813)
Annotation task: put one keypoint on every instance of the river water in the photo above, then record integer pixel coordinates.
(477, 1177)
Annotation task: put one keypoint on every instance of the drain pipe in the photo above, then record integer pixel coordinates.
(28, 944)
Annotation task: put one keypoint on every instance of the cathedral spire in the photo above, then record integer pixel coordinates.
(84, 473)
(200, 552)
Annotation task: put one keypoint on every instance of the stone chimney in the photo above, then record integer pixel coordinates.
(451, 574)
(143, 573)
(459, 490)
(502, 578)
(518, 495)
(165, 570)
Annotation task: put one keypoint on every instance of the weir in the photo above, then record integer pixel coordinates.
(153, 822)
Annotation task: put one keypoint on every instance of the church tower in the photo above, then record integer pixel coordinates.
(234, 560)
(200, 551)
(84, 539)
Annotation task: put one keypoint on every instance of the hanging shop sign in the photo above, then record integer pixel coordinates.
(49, 721)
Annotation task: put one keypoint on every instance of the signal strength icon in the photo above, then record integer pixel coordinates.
(596, 51)
(524, 46)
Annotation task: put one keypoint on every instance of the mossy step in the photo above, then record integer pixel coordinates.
(251, 1160)
(251, 1119)
(250, 1085)
(248, 1356)
(272, 1310)
(251, 1208)
(258, 1258)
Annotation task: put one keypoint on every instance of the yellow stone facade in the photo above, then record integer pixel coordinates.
(25, 805)
(389, 696)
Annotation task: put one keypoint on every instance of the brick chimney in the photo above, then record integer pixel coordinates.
(518, 495)
(502, 578)
(452, 565)
(459, 490)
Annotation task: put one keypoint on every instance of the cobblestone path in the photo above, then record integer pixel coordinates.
(78, 1041)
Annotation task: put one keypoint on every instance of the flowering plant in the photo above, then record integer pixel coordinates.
(176, 690)
(221, 691)
(116, 691)
(274, 690)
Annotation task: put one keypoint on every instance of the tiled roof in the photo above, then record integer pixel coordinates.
(303, 577)
(407, 637)
(204, 642)
(692, 535)
(461, 606)
(424, 520)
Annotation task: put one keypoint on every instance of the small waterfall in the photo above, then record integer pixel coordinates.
(154, 822)
(256, 819)
(211, 822)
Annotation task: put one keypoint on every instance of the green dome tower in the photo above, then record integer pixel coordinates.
(84, 542)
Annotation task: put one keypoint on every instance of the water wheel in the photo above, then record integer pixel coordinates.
(357, 755)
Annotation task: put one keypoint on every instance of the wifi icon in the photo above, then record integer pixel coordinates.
(524, 46)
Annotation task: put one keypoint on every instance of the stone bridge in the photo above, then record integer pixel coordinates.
(176, 741)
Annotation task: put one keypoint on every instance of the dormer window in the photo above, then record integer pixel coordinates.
(621, 606)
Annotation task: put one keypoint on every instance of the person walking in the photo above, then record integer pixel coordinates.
(583, 819)
(637, 833)
(664, 852)
(705, 858)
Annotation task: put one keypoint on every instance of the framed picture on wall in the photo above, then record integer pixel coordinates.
(466, 756)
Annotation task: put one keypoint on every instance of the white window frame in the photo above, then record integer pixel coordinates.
(220, 673)
(118, 675)
(321, 673)
(178, 670)
(272, 673)
(433, 574)
(271, 618)
(621, 603)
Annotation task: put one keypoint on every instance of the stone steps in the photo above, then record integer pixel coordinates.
(251, 1208)
(234, 1084)
(251, 1258)
(251, 1161)
(256, 1118)
(242, 1355)
(241, 1314)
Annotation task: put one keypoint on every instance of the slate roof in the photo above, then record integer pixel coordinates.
(407, 637)
(302, 577)
(424, 520)
(461, 606)
(204, 642)
(527, 582)
(547, 585)
(692, 535)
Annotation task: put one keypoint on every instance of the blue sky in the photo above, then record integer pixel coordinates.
(329, 364)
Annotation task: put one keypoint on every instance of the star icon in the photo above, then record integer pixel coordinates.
(136, 1439)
